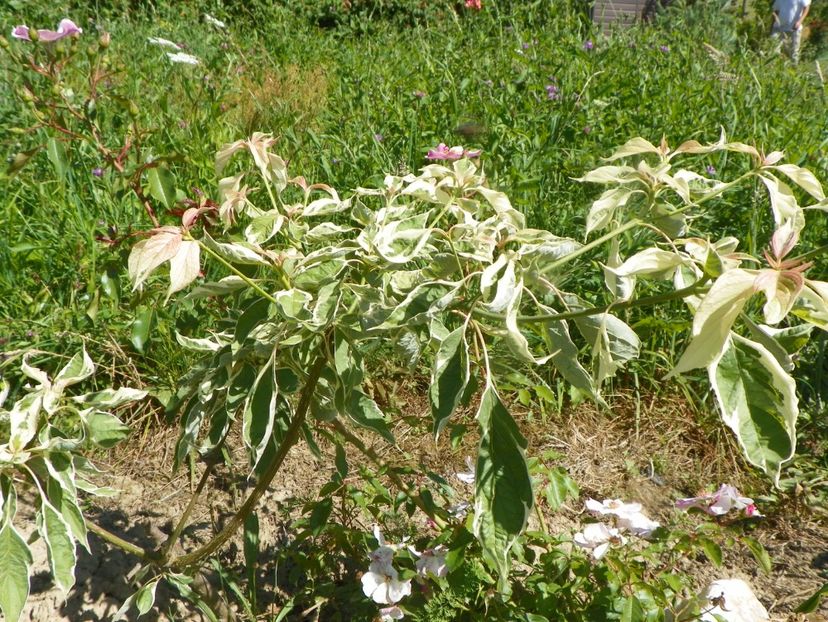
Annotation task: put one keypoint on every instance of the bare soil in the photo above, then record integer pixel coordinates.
(653, 450)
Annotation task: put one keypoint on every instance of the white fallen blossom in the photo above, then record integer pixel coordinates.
(183, 58)
(164, 43)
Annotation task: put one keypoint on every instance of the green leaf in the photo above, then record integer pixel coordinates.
(560, 488)
(449, 377)
(758, 401)
(320, 514)
(15, 559)
(162, 185)
(103, 429)
(143, 600)
(57, 156)
(565, 357)
(503, 488)
(260, 412)
(760, 554)
(145, 597)
(365, 412)
(814, 600)
(141, 326)
(712, 550)
(182, 583)
(632, 610)
(61, 547)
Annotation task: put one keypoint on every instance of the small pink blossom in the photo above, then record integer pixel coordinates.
(66, 28)
(474, 4)
(444, 152)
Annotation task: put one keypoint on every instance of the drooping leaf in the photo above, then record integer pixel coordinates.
(260, 412)
(61, 547)
(760, 554)
(15, 560)
(365, 412)
(758, 401)
(449, 377)
(714, 317)
(565, 357)
(503, 489)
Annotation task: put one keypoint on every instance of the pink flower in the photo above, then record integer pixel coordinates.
(66, 28)
(474, 4)
(719, 503)
(443, 152)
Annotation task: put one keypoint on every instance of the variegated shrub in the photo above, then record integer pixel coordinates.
(441, 267)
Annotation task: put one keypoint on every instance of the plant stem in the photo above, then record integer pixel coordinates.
(182, 522)
(588, 247)
(110, 537)
(236, 271)
(382, 464)
(289, 440)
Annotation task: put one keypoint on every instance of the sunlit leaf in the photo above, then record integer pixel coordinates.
(758, 401)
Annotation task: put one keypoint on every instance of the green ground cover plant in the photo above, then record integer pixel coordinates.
(441, 258)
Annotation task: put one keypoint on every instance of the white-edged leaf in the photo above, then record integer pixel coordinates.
(603, 209)
(365, 412)
(610, 174)
(715, 315)
(783, 202)
(79, 368)
(110, 398)
(803, 178)
(61, 547)
(142, 600)
(236, 252)
(260, 411)
(633, 146)
(565, 357)
(506, 289)
(227, 285)
(651, 262)
(758, 402)
(198, 344)
(103, 429)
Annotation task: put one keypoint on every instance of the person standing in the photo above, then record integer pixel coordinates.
(788, 16)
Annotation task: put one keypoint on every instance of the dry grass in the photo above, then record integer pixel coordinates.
(295, 91)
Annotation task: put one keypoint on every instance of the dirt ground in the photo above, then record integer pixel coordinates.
(651, 450)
